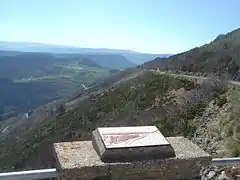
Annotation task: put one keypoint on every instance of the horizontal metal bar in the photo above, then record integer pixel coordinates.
(29, 175)
(225, 161)
(52, 173)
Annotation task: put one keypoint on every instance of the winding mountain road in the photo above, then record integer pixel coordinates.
(190, 76)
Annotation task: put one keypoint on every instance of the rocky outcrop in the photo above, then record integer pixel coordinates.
(220, 173)
(204, 137)
(212, 141)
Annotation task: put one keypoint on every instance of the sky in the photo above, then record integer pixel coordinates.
(150, 26)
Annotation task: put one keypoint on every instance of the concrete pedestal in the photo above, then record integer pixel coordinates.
(79, 160)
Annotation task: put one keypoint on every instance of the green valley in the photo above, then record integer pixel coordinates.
(28, 80)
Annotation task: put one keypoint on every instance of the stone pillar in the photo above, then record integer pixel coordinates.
(81, 161)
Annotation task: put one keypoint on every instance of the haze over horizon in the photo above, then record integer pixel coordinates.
(153, 26)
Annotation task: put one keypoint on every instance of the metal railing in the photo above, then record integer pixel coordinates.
(225, 161)
(29, 175)
(52, 173)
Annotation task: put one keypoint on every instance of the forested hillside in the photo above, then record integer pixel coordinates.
(170, 103)
(220, 57)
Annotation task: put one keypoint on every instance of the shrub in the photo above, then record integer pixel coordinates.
(221, 101)
(233, 128)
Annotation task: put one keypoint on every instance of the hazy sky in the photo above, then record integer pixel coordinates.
(156, 26)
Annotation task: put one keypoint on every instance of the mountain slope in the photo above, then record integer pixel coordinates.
(145, 99)
(88, 62)
(139, 58)
(111, 61)
(221, 57)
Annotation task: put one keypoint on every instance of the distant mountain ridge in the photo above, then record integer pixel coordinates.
(41, 47)
(110, 61)
(133, 56)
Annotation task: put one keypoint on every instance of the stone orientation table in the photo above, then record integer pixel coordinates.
(120, 144)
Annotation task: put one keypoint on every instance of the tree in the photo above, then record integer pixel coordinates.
(60, 110)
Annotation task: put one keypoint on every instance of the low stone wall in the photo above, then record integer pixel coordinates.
(79, 160)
